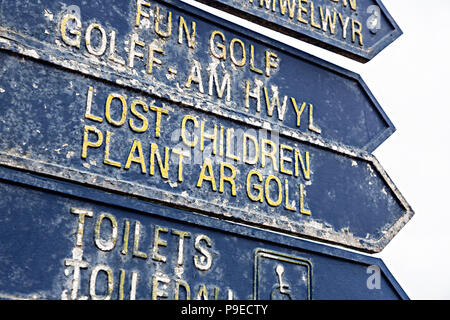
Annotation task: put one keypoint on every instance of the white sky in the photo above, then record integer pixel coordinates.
(410, 81)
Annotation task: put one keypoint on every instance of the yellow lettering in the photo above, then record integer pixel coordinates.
(252, 61)
(267, 2)
(255, 94)
(112, 50)
(140, 116)
(283, 159)
(164, 169)
(132, 53)
(157, 242)
(239, 63)
(302, 10)
(123, 102)
(139, 12)
(269, 200)
(229, 179)
(180, 163)
(257, 187)
(88, 114)
(204, 135)
(137, 237)
(186, 287)
(183, 131)
(156, 292)
(91, 144)
(222, 54)
(110, 243)
(269, 62)
(302, 206)
(203, 263)
(210, 177)
(139, 159)
(76, 42)
(245, 156)
(298, 112)
(311, 126)
(93, 282)
(181, 235)
(287, 204)
(169, 24)
(270, 154)
(126, 236)
(326, 20)
(290, 5)
(121, 283)
(190, 37)
(275, 102)
(195, 76)
(305, 164)
(102, 48)
(151, 57)
(344, 23)
(107, 159)
(312, 21)
(352, 4)
(159, 112)
(230, 139)
(357, 30)
(226, 84)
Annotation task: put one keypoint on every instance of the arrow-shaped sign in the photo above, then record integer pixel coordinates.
(355, 29)
(176, 52)
(97, 245)
(65, 125)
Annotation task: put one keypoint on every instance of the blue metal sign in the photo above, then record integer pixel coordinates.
(97, 133)
(178, 53)
(356, 29)
(66, 241)
(159, 101)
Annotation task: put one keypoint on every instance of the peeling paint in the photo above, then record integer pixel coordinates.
(84, 69)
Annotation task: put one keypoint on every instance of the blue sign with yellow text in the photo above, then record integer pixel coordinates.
(356, 29)
(70, 242)
(100, 134)
(162, 102)
(187, 56)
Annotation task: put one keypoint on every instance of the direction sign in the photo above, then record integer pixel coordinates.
(72, 242)
(98, 133)
(178, 53)
(356, 29)
(113, 113)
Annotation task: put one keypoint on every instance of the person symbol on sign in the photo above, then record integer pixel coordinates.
(282, 288)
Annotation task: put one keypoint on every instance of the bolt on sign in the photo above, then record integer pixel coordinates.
(77, 242)
(160, 101)
(356, 29)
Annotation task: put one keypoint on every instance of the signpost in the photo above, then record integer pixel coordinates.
(158, 116)
(106, 136)
(195, 59)
(356, 29)
(82, 243)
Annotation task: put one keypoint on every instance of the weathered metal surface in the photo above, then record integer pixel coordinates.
(106, 121)
(100, 134)
(176, 52)
(356, 29)
(66, 241)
